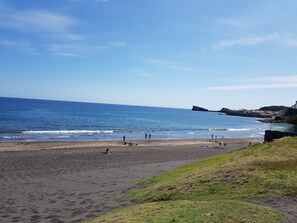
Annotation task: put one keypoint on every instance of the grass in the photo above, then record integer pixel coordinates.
(190, 212)
(209, 190)
(262, 170)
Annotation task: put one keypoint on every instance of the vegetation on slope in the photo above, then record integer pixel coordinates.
(262, 170)
(191, 212)
(205, 191)
(291, 119)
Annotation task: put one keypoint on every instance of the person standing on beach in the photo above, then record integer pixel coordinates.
(145, 136)
(150, 136)
(124, 138)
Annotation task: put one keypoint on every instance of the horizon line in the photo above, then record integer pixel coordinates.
(91, 102)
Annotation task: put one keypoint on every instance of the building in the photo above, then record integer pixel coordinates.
(295, 106)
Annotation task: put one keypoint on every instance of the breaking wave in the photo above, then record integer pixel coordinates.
(69, 132)
(230, 129)
(233, 130)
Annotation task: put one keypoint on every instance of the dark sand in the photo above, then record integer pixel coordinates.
(71, 181)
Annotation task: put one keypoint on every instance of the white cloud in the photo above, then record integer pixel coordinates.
(66, 54)
(54, 25)
(75, 48)
(255, 86)
(285, 38)
(290, 39)
(145, 74)
(155, 62)
(37, 21)
(9, 43)
(63, 47)
(19, 45)
(262, 83)
(184, 69)
(69, 50)
(171, 65)
(291, 42)
(276, 79)
(247, 41)
(46, 25)
(68, 36)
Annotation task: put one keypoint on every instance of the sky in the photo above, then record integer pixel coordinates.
(164, 53)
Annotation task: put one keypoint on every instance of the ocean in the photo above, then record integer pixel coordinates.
(45, 120)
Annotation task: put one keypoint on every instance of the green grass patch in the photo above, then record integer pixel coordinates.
(262, 170)
(192, 211)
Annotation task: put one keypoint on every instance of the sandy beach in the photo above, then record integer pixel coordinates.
(71, 181)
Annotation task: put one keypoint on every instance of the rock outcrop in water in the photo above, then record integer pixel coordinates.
(197, 108)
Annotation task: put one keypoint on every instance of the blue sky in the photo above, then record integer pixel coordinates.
(168, 53)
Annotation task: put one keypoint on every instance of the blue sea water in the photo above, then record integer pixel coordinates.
(44, 120)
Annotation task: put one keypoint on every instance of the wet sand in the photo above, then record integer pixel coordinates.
(71, 181)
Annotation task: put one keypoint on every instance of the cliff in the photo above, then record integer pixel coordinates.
(290, 112)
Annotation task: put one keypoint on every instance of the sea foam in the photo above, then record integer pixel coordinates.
(69, 132)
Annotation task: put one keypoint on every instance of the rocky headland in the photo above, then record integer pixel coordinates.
(263, 112)
(256, 113)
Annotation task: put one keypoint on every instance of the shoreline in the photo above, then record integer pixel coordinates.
(45, 145)
(69, 182)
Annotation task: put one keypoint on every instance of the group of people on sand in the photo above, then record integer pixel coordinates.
(107, 151)
(147, 135)
(125, 143)
(220, 144)
(213, 136)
